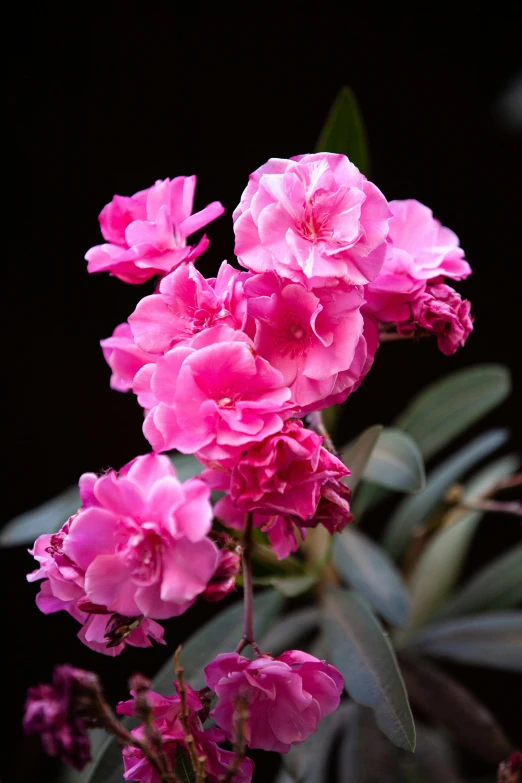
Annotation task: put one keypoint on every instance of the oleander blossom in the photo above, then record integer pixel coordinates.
(316, 339)
(420, 250)
(287, 696)
(137, 550)
(51, 711)
(215, 396)
(185, 304)
(314, 219)
(166, 712)
(124, 357)
(147, 233)
(441, 311)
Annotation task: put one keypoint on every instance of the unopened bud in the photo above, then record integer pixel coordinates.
(224, 578)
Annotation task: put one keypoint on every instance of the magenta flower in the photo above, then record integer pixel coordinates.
(287, 696)
(215, 397)
(311, 337)
(51, 711)
(441, 310)
(147, 233)
(166, 711)
(314, 219)
(186, 304)
(124, 357)
(137, 547)
(421, 250)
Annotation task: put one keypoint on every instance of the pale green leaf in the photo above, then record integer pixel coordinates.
(396, 462)
(356, 455)
(47, 518)
(362, 652)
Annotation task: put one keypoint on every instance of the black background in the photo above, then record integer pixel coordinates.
(108, 98)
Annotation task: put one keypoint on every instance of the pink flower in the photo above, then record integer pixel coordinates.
(314, 219)
(441, 310)
(146, 234)
(215, 397)
(137, 547)
(224, 577)
(186, 304)
(421, 250)
(124, 357)
(166, 711)
(287, 696)
(311, 337)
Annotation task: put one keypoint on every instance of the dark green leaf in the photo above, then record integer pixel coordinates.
(47, 518)
(362, 652)
(356, 455)
(367, 568)
(492, 640)
(439, 566)
(365, 755)
(289, 630)
(183, 767)
(441, 698)
(497, 586)
(343, 131)
(434, 759)
(414, 511)
(396, 462)
(448, 407)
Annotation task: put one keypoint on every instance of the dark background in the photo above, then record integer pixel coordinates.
(112, 97)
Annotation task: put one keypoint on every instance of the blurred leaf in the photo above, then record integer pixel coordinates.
(439, 565)
(356, 455)
(444, 700)
(343, 131)
(413, 511)
(183, 767)
(292, 586)
(47, 518)
(289, 630)
(396, 462)
(433, 758)
(221, 634)
(448, 407)
(51, 515)
(368, 569)
(363, 654)
(497, 586)
(365, 755)
(492, 640)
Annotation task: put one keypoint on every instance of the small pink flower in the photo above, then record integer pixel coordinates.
(314, 219)
(146, 234)
(309, 336)
(186, 304)
(137, 547)
(224, 577)
(441, 310)
(166, 712)
(215, 397)
(420, 250)
(124, 357)
(287, 696)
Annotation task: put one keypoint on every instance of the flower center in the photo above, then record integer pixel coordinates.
(142, 553)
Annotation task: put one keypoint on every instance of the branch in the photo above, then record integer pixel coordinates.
(248, 597)
(198, 763)
(240, 721)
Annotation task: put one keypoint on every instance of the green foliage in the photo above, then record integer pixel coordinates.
(343, 132)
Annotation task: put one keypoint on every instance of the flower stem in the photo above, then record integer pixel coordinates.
(248, 597)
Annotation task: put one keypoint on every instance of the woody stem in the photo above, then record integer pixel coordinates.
(248, 597)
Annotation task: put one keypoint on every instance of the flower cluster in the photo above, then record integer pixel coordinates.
(230, 369)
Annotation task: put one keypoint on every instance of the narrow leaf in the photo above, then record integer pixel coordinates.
(292, 586)
(447, 408)
(434, 760)
(413, 511)
(356, 455)
(439, 566)
(444, 700)
(47, 518)
(363, 654)
(289, 630)
(492, 640)
(365, 755)
(396, 462)
(367, 568)
(497, 586)
(343, 131)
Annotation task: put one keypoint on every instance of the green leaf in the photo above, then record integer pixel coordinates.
(445, 701)
(47, 518)
(492, 640)
(367, 568)
(439, 566)
(448, 407)
(289, 630)
(356, 455)
(363, 654)
(396, 462)
(497, 586)
(413, 511)
(183, 767)
(343, 131)
(186, 465)
(292, 586)
(365, 755)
